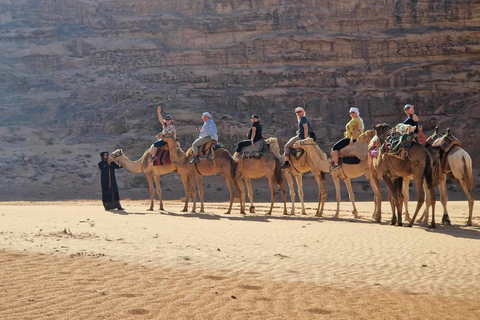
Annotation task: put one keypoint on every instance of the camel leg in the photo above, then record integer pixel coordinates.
(151, 189)
(241, 196)
(471, 200)
(351, 195)
(273, 192)
(377, 214)
(231, 189)
(428, 202)
(281, 184)
(159, 192)
(248, 182)
(393, 197)
(322, 195)
(336, 182)
(406, 198)
(200, 192)
(291, 187)
(299, 180)
(442, 186)
(188, 190)
(420, 199)
(376, 191)
(398, 186)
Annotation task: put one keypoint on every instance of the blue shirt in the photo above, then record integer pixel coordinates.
(411, 122)
(209, 129)
(300, 127)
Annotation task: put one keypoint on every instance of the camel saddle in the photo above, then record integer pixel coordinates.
(206, 151)
(256, 151)
(398, 145)
(163, 157)
(446, 142)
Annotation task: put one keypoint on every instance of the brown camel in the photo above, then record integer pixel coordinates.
(223, 163)
(153, 173)
(302, 165)
(267, 165)
(392, 170)
(346, 171)
(459, 167)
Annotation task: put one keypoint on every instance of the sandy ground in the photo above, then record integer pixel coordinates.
(73, 260)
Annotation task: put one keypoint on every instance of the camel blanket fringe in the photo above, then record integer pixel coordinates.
(358, 149)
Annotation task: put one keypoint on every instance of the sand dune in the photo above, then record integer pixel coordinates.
(74, 260)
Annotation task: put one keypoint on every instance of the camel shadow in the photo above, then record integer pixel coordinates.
(457, 231)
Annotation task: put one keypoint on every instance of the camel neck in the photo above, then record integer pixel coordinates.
(131, 166)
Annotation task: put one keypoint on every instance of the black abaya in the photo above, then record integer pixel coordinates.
(110, 197)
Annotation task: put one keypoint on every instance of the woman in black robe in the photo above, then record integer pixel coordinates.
(110, 197)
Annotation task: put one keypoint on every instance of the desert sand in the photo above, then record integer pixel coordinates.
(73, 260)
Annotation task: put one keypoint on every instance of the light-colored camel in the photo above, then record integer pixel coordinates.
(459, 167)
(346, 171)
(153, 173)
(298, 167)
(392, 170)
(223, 163)
(267, 165)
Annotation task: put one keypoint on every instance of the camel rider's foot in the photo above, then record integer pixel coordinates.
(155, 157)
(195, 159)
(335, 167)
(286, 165)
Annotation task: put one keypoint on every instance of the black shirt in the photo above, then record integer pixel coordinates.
(411, 122)
(258, 132)
(300, 127)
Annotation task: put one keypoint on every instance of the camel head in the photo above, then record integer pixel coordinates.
(305, 143)
(366, 136)
(381, 128)
(117, 153)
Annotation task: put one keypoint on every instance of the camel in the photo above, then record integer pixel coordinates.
(459, 167)
(153, 173)
(268, 165)
(393, 170)
(302, 165)
(346, 172)
(223, 163)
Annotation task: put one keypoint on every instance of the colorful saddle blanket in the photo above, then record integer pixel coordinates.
(163, 157)
(398, 145)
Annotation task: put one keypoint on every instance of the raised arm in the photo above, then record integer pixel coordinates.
(160, 118)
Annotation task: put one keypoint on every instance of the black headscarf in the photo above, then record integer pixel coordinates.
(102, 153)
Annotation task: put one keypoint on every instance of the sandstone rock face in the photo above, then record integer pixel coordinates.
(88, 74)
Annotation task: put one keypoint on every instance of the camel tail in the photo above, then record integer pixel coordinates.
(428, 173)
(323, 176)
(468, 170)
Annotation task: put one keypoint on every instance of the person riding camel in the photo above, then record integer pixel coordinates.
(168, 129)
(413, 121)
(207, 133)
(254, 135)
(353, 130)
(304, 131)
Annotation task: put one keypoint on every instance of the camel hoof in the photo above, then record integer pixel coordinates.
(185, 210)
(318, 215)
(469, 224)
(378, 220)
(355, 213)
(408, 225)
(399, 224)
(151, 209)
(228, 212)
(202, 211)
(193, 211)
(268, 214)
(304, 213)
(432, 226)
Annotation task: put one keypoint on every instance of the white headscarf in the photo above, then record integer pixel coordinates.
(353, 109)
(301, 109)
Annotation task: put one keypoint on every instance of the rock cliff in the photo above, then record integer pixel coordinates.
(77, 76)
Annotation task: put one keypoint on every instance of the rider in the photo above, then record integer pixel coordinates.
(208, 133)
(353, 129)
(304, 131)
(168, 129)
(254, 135)
(413, 121)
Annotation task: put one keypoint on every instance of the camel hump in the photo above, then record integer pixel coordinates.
(358, 149)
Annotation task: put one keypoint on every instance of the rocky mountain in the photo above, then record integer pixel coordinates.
(78, 76)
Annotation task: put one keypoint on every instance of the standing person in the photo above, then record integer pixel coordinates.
(303, 132)
(353, 130)
(254, 135)
(168, 129)
(413, 121)
(110, 197)
(207, 133)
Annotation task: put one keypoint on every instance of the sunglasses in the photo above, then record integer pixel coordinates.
(352, 112)
(298, 111)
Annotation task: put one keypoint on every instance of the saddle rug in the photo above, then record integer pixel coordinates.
(163, 157)
(398, 145)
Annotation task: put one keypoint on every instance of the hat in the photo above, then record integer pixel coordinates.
(207, 114)
(407, 107)
(353, 109)
(168, 117)
(254, 116)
